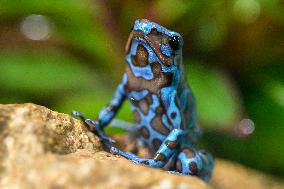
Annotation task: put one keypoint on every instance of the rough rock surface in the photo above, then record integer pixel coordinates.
(40, 148)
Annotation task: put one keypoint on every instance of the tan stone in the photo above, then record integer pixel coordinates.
(229, 175)
(40, 148)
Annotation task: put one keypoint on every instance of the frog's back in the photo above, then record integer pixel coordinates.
(188, 109)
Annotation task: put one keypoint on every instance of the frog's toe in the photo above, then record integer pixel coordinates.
(76, 113)
(114, 150)
(174, 172)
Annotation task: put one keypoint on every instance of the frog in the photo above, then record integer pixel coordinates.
(162, 104)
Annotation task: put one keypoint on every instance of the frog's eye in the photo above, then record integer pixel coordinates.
(175, 42)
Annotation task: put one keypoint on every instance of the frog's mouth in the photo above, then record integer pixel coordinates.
(152, 42)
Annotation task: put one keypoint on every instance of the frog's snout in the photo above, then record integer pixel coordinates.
(141, 22)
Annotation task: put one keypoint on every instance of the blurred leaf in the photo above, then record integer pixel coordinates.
(41, 73)
(265, 148)
(272, 81)
(211, 33)
(64, 10)
(263, 96)
(11, 99)
(217, 100)
(76, 22)
(177, 10)
(90, 103)
(275, 89)
(246, 11)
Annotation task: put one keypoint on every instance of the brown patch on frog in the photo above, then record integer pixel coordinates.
(156, 40)
(160, 157)
(193, 168)
(157, 124)
(144, 107)
(179, 166)
(188, 152)
(136, 116)
(143, 104)
(159, 110)
(156, 143)
(141, 57)
(126, 143)
(149, 99)
(144, 132)
(171, 144)
(153, 86)
(156, 68)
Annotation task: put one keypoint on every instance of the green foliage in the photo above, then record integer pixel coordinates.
(233, 54)
(217, 101)
(41, 73)
(88, 103)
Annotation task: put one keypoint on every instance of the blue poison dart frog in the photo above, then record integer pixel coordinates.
(162, 103)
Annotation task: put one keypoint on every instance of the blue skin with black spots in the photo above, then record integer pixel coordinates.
(162, 103)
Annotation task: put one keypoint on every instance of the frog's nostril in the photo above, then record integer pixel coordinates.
(144, 21)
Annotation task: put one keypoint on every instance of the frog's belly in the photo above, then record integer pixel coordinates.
(152, 121)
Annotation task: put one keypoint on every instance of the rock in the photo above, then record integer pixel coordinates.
(228, 175)
(40, 148)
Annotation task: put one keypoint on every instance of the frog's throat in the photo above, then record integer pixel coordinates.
(138, 35)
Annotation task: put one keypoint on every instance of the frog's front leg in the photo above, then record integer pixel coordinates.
(94, 127)
(106, 114)
(163, 154)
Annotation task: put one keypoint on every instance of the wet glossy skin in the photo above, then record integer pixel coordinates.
(162, 103)
(156, 86)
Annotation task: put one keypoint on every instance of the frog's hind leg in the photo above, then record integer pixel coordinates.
(198, 163)
(162, 155)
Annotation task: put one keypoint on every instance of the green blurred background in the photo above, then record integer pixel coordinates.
(69, 54)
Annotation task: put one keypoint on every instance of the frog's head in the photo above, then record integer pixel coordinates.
(166, 44)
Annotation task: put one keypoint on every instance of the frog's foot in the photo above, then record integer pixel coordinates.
(161, 157)
(191, 162)
(174, 172)
(127, 155)
(93, 126)
(138, 160)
